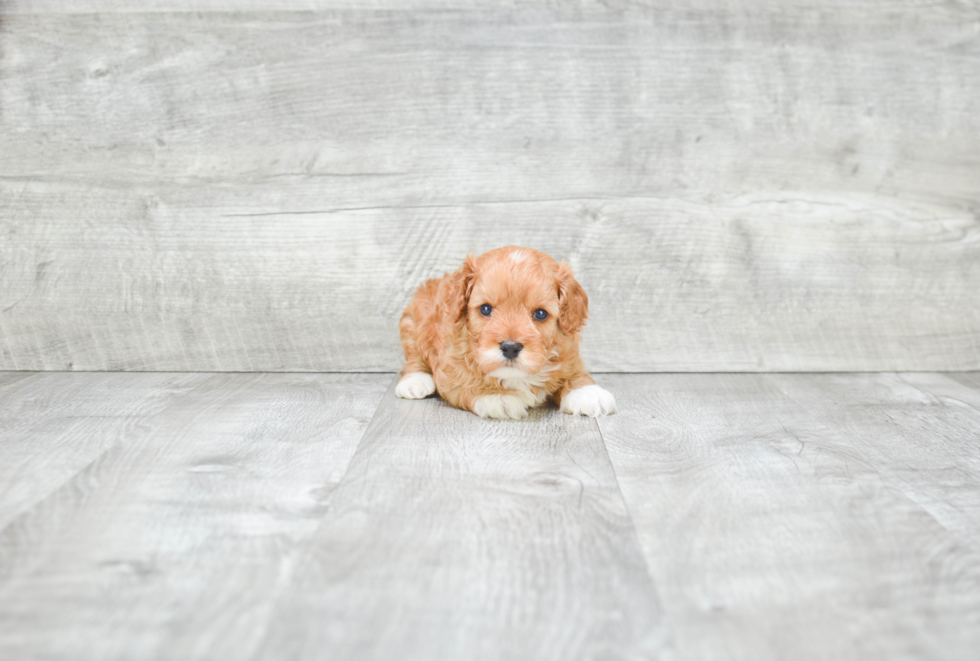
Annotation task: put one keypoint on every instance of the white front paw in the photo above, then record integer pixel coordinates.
(415, 385)
(505, 407)
(589, 400)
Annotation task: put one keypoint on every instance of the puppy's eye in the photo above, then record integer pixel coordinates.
(540, 314)
(485, 309)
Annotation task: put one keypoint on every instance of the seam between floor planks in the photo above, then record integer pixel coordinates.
(216, 486)
(633, 527)
(303, 548)
(763, 559)
(424, 471)
(925, 402)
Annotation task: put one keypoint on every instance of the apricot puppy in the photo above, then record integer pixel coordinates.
(500, 335)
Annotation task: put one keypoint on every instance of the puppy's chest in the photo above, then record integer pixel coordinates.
(532, 390)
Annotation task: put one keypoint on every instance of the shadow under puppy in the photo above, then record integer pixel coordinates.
(500, 335)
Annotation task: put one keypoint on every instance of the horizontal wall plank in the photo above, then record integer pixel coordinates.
(500, 105)
(748, 189)
(197, 6)
(189, 278)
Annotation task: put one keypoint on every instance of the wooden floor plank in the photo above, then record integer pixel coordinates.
(173, 542)
(53, 425)
(13, 377)
(453, 537)
(735, 517)
(773, 526)
(968, 379)
(921, 432)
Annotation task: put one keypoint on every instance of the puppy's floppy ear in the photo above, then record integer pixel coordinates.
(573, 303)
(459, 285)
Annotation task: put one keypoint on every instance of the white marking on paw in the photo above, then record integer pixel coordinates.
(589, 400)
(415, 385)
(504, 407)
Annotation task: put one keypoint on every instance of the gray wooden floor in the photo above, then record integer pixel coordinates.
(295, 516)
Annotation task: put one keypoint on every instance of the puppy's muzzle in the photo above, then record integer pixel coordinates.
(510, 349)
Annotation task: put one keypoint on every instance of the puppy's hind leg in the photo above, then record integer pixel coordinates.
(416, 381)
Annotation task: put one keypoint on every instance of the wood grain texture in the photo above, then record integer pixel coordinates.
(909, 426)
(750, 284)
(969, 379)
(734, 6)
(742, 187)
(8, 379)
(173, 542)
(804, 516)
(54, 426)
(753, 517)
(453, 537)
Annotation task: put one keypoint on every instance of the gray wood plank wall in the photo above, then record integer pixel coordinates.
(241, 185)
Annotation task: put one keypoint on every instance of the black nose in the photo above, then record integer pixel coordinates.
(510, 349)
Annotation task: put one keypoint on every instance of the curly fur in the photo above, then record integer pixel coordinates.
(444, 335)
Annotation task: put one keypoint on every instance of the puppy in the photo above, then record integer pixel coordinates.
(500, 335)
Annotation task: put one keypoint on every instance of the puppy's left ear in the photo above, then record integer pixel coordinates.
(573, 302)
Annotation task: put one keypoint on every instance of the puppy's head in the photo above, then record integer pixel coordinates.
(520, 306)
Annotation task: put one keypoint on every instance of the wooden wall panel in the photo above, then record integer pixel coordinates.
(157, 6)
(740, 188)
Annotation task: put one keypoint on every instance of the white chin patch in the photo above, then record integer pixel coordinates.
(416, 385)
(508, 373)
(589, 400)
(502, 407)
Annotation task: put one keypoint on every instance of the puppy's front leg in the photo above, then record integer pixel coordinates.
(581, 396)
(415, 385)
(475, 396)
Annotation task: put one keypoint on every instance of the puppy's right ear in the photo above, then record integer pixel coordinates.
(458, 289)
